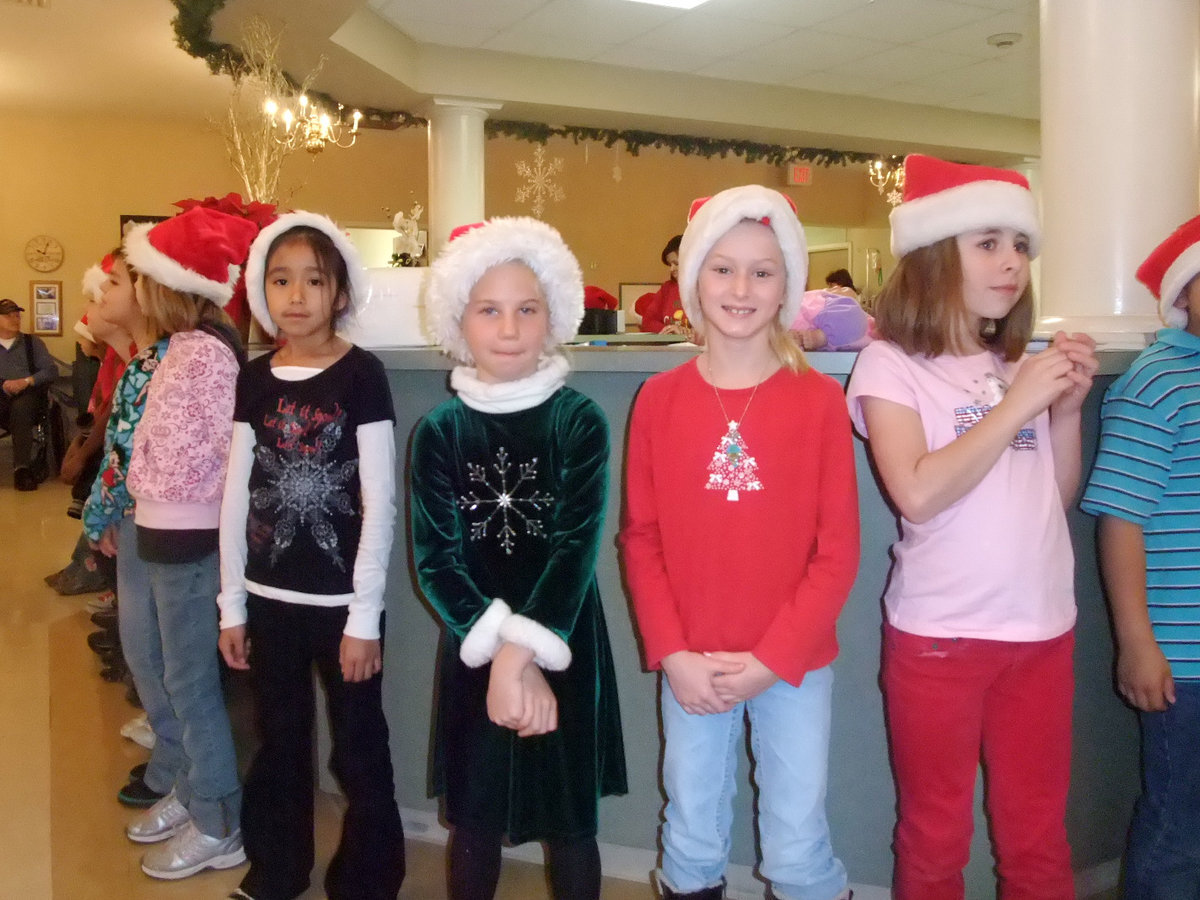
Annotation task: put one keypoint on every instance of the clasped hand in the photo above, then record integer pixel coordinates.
(1058, 378)
(708, 683)
(518, 695)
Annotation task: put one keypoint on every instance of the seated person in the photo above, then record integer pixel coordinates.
(26, 371)
(832, 321)
(659, 309)
(839, 282)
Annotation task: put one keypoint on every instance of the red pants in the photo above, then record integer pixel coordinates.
(949, 699)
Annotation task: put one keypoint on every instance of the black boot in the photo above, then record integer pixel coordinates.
(716, 892)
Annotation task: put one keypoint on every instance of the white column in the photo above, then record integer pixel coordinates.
(456, 165)
(1120, 85)
(1031, 168)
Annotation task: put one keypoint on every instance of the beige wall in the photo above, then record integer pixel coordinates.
(73, 177)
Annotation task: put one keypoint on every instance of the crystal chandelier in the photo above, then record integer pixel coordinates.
(309, 126)
(888, 175)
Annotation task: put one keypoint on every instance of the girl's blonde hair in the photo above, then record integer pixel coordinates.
(173, 311)
(785, 347)
(921, 307)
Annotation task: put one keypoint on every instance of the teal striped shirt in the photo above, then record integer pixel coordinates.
(1147, 471)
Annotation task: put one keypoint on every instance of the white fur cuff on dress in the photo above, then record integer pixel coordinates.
(550, 651)
(483, 640)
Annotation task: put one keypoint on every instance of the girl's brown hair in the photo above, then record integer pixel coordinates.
(921, 307)
(174, 311)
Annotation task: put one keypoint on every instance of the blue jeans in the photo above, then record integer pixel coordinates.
(168, 619)
(1163, 862)
(789, 740)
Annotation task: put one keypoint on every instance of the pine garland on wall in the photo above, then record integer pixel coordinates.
(193, 34)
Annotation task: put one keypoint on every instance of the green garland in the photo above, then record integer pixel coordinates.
(193, 34)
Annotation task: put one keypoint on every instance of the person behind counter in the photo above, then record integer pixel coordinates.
(978, 446)
(26, 370)
(1143, 490)
(662, 310)
(509, 488)
(306, 535)
(741, 543)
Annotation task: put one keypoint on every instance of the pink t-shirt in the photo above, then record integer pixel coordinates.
(998, 563)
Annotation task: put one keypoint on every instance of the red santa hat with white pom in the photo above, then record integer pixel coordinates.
(944, 199)
(96, 276)
(1169, 269)
(199, 252)
(711, 217)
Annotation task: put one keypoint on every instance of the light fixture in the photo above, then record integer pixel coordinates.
(309, 126)
(888, 175)
(674, 4)
(1004, 39)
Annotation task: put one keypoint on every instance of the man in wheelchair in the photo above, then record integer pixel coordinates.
(26, 372)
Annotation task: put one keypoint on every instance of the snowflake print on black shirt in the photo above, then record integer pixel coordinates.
(305, 488)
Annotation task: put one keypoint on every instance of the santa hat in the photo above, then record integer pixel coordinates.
(473, 249)
(711, 217)
(256, 264)
(199, 252)
(944, 199)
(1169, 269)
(96, 276)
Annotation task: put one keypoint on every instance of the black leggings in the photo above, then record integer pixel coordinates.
(573, 866)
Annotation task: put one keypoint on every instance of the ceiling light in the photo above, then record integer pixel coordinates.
(674, 4)
(1004, 39)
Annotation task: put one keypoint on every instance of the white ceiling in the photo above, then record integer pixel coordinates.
(119, 56)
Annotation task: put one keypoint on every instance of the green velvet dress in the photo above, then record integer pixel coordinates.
(511, 505)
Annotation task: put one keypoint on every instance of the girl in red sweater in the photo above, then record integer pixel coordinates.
(740, 541)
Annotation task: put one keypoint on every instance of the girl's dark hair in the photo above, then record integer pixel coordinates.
(841, 278)
(921, 307)
(672, 247)
(330, 261)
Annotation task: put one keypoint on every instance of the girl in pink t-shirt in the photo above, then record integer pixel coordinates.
(977, 446)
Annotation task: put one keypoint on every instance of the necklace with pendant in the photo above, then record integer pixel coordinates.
(732, 468)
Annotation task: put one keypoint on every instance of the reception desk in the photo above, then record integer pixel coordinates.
(861, 800)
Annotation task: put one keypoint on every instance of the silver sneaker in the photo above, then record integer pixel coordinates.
(159, 822)
(191, 851)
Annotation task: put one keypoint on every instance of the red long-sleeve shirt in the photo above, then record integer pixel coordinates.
(767, 573)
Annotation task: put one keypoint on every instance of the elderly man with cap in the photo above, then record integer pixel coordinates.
(26, 371)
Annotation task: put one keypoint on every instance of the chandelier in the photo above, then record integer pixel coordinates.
(888, 175)
(309, 126)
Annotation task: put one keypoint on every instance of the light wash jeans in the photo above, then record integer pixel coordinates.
(789, 740)
(168, 619)
(1164, 841)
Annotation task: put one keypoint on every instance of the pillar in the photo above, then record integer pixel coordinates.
(456, 165)
(1120, 87)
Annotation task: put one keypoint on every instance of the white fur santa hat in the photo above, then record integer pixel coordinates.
(96, 276)
(944, 199)
(256, 264)
(1170, 267)
(711, 217)
(200, 251)
(473, 249)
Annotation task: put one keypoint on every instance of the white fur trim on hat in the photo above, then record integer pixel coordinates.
(483, 640)
(464, 260)
(256, 264)
(965, 207)
(1177, 277)
(93, 281)
(719, 214)
(149, 261)
(549, 650)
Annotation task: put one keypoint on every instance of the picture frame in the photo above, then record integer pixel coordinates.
(628, 293)
(128, 221)
(45, 308)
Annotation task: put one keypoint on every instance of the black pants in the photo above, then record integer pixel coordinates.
(573, 866)
(19, 415)
(286, 640)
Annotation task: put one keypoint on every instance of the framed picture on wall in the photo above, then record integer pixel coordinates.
(45, 307)
(128, 221)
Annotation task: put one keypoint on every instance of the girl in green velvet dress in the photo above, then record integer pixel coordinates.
(509, 487)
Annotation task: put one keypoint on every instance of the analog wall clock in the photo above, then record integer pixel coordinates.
(43, 253)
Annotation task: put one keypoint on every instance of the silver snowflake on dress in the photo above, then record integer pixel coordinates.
(501, 499)
(540, 178)
(306, 489)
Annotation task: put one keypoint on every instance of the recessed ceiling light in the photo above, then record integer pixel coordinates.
(674, 4)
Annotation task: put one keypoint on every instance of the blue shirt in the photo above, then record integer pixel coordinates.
(1148, 472)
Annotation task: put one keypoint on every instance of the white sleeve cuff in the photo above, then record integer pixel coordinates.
(550, 651)
(483, 640)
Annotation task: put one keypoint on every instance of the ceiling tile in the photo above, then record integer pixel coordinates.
(902, 21)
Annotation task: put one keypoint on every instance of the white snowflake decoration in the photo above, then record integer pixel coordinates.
(539, 179)
(504, 500)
